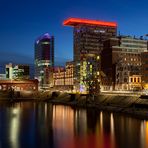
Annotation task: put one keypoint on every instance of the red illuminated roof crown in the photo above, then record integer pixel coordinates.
(76, 21)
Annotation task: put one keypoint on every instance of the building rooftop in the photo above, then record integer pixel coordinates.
(59, 68)
(124, 37)
(76, 21)
(44, 36)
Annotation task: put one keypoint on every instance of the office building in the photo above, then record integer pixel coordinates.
(17, 72)
(2, 76)
(44, 60)
(69, 68)
(89, 36)
(63, 77)
(121, 63)
(144, 78)
(59, 77)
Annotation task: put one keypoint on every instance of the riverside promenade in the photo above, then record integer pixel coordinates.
(131, 104)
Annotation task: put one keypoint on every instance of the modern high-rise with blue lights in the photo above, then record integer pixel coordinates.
(44, 60)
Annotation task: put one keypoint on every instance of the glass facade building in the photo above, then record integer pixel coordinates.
(88, 44)
(44, 60)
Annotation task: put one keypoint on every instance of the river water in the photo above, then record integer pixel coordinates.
(33, 125)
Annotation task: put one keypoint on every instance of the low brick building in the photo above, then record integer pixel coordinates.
(18, 85)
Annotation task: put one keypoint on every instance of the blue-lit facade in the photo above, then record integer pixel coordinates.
(44, 60)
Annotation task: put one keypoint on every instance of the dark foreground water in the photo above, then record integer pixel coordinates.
(33, 125)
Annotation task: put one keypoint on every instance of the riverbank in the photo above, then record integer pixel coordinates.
(132, 105)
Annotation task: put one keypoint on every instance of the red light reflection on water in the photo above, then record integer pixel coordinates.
(64, 123)
(90, 141)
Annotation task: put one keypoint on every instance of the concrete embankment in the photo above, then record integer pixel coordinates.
(120, 103)
(128, 104)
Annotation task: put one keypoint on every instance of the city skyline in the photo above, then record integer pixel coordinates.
(19, 28)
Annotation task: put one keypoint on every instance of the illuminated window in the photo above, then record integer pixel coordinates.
(98, 57)
(45, 43)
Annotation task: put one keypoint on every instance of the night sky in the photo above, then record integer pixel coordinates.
(22, 21)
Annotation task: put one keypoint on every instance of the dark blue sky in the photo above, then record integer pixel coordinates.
(22, 21)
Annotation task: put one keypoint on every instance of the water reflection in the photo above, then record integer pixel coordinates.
(63, 120)
(14, 127)
(44, 125)
(144, 134)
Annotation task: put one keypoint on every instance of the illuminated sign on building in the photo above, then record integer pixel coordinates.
(76, 21)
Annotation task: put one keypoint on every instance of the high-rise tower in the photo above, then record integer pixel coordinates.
(88, 44)
(44, 60)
